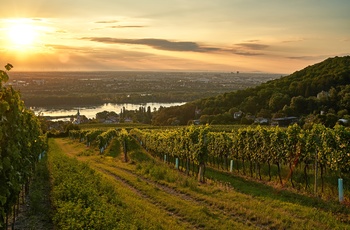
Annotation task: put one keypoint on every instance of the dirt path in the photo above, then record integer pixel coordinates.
(145, 196)
(184, 196)
(74, 148)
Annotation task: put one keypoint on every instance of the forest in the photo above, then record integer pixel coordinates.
(316, 94)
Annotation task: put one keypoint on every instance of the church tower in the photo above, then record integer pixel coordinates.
(78, 117)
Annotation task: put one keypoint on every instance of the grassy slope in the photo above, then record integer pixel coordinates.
(166, 198)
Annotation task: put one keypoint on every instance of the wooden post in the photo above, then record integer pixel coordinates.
(315, 185)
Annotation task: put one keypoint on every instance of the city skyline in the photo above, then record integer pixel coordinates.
(226, 35)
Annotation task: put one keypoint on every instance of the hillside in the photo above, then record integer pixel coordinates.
(316, 94)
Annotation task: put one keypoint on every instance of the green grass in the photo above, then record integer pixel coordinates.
(114, 149)
(226, 201)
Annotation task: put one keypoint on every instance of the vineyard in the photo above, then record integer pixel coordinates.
(318, 148)
(320, 152)
(192, 177)
(21, 145)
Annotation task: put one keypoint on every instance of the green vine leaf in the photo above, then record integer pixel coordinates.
(8, 67)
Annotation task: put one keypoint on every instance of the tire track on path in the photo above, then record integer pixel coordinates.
(145, 196)
(194, 200)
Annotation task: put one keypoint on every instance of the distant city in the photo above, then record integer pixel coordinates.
(75, 89)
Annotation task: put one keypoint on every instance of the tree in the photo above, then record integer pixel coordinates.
(299, 105)
(278, 101)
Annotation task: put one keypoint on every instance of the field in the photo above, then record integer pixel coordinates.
(94, 190)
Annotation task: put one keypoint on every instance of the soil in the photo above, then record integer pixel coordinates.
(33, 215)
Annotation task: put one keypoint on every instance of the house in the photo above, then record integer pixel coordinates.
(323, 95)
(343, 121)
(128, 120)
(238, 115)
(261, 121)
(250, 117)
(284, 121)
(196, 122)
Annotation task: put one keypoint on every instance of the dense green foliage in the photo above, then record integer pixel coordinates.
(82, 198)
(21, 143)
(95, 137)
(160, 197)
(291, 147)
(295, 95)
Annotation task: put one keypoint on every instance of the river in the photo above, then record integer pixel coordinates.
(90, 112)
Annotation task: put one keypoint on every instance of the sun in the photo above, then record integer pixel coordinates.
(21, 33)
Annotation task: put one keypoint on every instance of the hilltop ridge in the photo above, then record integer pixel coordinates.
(319, 93)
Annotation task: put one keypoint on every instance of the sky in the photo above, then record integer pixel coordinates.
(269, 36)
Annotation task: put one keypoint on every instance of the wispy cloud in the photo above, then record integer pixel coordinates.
(319, 57)
(120, 27)
(161, 44)
(60, 47)
(293, 40)
(245, 53)
(107, 21)
(252, 46)
(61, 31)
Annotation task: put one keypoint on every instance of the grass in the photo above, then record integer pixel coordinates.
(151, 190)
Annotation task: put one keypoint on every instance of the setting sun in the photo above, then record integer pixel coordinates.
(248, 36)
(21, 33)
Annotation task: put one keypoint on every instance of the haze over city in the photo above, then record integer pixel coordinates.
(224, 35)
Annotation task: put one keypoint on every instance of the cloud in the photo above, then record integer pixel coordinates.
(253, 40)
(61, 31)
(60, 47)
(246, 53)
(118, 27)
(319, 57)
(107, 21)
(160, 44)
(294, 40)
(252, 46)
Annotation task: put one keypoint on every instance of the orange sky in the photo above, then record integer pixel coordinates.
(198, 35)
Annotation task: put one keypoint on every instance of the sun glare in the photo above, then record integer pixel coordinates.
(21, 33)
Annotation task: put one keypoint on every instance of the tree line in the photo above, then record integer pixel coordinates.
(297, 95)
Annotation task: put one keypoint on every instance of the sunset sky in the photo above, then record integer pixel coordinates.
(273, 36)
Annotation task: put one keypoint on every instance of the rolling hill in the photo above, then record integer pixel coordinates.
(316, 94)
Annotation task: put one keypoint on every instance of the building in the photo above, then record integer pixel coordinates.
(284, 121)
(238, 115)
